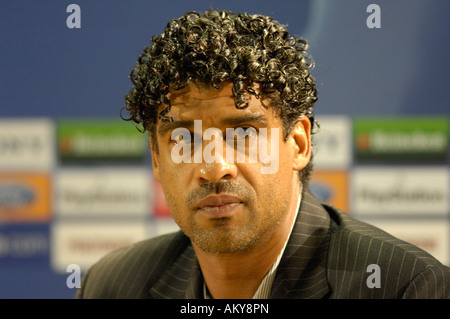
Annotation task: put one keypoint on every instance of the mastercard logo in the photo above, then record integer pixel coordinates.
(363, 142)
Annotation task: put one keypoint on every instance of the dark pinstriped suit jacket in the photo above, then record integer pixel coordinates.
(326, 257)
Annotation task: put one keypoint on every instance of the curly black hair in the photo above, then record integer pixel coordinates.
(221, 46)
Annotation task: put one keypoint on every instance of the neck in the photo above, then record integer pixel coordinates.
(239, 274)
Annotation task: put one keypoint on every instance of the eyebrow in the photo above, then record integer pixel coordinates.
(165, 127)
(248, 119)
(259, 120)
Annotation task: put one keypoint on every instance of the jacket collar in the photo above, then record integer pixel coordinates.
(182, 280)
(301, 273)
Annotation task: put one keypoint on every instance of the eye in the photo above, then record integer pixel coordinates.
(181, 138)
(242, 133)
(185, 137)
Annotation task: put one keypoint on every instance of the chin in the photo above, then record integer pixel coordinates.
(220, 241)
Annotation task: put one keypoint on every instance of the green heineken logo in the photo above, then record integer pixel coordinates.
(407, 139)
(100, 140)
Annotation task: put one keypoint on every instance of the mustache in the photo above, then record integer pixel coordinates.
(222, 187)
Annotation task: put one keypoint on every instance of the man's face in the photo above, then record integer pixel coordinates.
(222, 205)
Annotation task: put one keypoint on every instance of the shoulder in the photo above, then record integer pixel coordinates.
(130, 271)
(358, 249)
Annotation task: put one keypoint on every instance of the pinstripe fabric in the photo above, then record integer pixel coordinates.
(405, 270)
(302, 270)
(326, 257)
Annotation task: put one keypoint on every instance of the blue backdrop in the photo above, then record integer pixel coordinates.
(49, 70)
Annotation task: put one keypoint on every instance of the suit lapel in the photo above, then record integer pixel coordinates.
(302, 270)
(181, 280)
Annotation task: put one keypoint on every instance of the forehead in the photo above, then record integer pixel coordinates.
(200, 92)
(203, 102)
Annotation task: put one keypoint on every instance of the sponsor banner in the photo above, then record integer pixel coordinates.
(402, 191)
(84, 243)
(27, 144)
(331, 187)
(100, 140)
(405, 139)
(25, 197)
(102, 192)
(160, 208)
(24, 242)
(332, 143)
(433, 236)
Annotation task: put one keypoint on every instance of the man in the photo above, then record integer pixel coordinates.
(217, 91)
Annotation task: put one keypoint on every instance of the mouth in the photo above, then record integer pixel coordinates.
(219, 206)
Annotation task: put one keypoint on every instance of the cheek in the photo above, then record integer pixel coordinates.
(172, 177)
(174, 196)
(267, 187)
(279, 184)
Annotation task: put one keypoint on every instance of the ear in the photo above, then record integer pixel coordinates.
(155, 157)
(301, 137)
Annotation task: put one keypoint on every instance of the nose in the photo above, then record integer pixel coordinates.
(214, 172)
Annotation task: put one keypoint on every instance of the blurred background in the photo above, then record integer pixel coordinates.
(76, 181)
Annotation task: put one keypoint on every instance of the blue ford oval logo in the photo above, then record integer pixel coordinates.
(15, 195)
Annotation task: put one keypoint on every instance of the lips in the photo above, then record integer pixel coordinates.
(219, 206)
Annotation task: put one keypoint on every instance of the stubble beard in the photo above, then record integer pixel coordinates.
(225, 237)
(252, 226)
